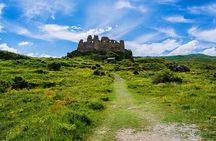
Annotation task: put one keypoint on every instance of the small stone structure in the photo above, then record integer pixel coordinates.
(105, 44)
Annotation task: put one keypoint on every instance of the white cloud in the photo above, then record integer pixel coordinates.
(178, 19)
(186, 49)
(25, 43)
(210, 51)
(2, 6)
(151, 37)
(152, 49)
(5, 47)
(125, 4)
(59, 32)
(53, 31)
(43, 55)
(117, 15)
(205, 35)
(206, 9)
(168, 31)
(170, 47)
(45, 8)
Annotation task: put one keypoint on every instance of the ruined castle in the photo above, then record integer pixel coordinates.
(105, 44)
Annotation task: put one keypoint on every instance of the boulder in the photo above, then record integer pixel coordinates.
(136, 72)
(178, 68)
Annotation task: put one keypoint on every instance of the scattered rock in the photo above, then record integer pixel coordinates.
(178, 68)
(136, 72)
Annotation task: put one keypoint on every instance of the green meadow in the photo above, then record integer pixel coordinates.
(63, 99)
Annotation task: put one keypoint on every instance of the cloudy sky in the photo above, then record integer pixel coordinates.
(44, 28)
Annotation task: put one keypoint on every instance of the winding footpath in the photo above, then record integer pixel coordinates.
(128, 121)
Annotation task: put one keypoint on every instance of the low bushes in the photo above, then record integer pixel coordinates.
(4, 86)
(105, 98)
(41, 71)
(96, 106)
(11, 56)
(77, 118)
(19, 83)
(98, 72)
(55, 66)
(167, 76)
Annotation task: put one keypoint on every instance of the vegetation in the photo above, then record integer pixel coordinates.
(99, 55)
(68, 98)
(191, 101)
(54, 66)
(61, 105)
(167, 76)
(11, 56)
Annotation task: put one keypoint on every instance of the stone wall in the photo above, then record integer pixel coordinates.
(105, 44)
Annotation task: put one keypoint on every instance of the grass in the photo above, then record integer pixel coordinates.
(41, 113)
(82, 96)
(192, 101)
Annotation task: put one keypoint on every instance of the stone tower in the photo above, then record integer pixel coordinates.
(105, 44)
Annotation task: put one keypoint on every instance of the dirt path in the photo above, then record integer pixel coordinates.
(128, 121)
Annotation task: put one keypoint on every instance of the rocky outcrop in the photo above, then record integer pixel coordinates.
(178, 68)
(105, 44)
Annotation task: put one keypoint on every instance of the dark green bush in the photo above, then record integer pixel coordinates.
(167, 76)
(11, 56)
(105, 98)
(117, 68)
(55, 66)
(98, 72)
(78, 118)
(41, 71)
(48, 84)
(4, 86)
(102, 55)
(96, 106)
(19, 83)
(97, 65)
(93, 67)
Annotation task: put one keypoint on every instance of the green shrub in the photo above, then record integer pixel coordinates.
(167, 76)
(97, 65)
(11, 56)
(93, 67)
(96, 106)
(55, 66)
(78, 119)
(19, 83)
(48, 84)
(105, 98)
(98, 72)
(4, 86)
(41, 71)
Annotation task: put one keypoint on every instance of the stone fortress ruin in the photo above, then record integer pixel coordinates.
(105, 44)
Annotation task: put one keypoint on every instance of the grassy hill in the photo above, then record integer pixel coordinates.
(68, 98)
(199, 57)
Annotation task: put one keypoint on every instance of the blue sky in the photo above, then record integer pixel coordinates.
(51, 28)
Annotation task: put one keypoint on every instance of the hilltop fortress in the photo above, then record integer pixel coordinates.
(105, 44)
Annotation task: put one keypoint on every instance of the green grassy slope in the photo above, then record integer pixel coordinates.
(62, 105)
(193, 101)
(68, 104)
